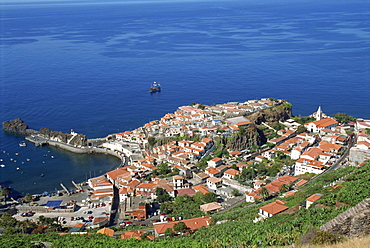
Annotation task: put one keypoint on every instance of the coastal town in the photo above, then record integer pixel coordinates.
(187, 154)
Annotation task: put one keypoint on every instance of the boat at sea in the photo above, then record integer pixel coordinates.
(2, 165)
(155, 87)
(23, 143)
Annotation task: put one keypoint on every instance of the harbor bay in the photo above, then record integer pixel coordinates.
(79, 72)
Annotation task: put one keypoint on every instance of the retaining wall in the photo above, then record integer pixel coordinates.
(355, 222)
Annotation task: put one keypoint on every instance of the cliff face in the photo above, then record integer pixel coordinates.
(244, 140)
(274, 114)
(19, 127)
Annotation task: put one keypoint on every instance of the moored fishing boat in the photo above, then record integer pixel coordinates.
(155, 87)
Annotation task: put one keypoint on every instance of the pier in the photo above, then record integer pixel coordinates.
(37, 140)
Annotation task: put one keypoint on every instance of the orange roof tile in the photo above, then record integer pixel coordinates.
(232, 172)
(214, 180)
(193, 224)
(274, 208)
(300, 182)
(202, 189)
(106, 231)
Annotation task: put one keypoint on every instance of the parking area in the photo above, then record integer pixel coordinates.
(85, 210)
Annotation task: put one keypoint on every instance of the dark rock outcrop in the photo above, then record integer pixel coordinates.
(278, 113)
(17, 126)
(247, 140)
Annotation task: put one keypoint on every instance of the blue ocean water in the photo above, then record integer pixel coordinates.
(88, 65)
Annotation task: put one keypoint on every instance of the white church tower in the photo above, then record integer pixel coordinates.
(318, 114)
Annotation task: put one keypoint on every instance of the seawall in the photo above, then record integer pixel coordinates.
(80, 150)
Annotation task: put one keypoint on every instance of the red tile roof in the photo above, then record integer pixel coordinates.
(106, 231)
(274, 207)
(189, 192)
(193, 224)
(202, 189)
(232, 172)
(314, 197)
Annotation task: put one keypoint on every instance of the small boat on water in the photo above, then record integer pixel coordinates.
(155, 87)
(23, 143)
(42, 175)
(2, 165)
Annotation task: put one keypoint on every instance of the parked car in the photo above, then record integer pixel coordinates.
(27, 214)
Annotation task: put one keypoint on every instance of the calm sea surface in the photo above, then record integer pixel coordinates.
(88, 66)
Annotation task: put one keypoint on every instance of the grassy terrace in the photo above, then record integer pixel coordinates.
(239, 229)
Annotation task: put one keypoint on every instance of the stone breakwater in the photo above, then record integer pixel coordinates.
(17, 126)
(40, 140)
(73, 142)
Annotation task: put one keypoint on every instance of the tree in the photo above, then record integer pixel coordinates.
(235, 192)
(284, 188)
(180, 227)
(210, 197)
(264, 193)
(201, 106)
(301, 129)
(343, 117)
(165, 208)
(163, 169)
(7, 220)
(5, 191)
(28, 197)
(162, 195)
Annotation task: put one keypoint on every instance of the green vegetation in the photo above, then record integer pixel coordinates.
(163, 170)
(162, 195)
(187, 206)
(239, 229)
(303, 119)
(151, 141)
(287, 104)
(180, 227)
(5, 191)
(343, 117)
(268, 133)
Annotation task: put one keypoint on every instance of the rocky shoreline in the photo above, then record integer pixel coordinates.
(17, 126)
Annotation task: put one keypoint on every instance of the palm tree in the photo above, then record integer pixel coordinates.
(264, 193)
(284, 188)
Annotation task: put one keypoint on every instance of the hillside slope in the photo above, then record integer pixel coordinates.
(238, 229)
